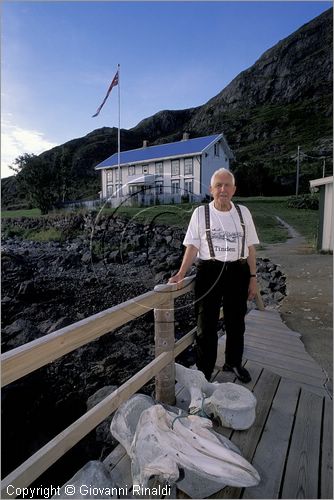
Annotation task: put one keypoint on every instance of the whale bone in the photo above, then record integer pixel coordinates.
(165, 443)
(233, 404)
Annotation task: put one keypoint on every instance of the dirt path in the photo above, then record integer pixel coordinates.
(308, 307)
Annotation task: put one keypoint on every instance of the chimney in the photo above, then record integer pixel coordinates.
(185, 136)
(145, 144)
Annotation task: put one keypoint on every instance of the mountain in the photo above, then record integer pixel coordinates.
(283, 100)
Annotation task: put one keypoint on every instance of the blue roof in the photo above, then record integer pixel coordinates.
(189, 146)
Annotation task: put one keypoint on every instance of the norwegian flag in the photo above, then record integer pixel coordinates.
(113, 84)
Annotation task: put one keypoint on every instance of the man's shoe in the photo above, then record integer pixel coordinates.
(242, 374)
(227, 368)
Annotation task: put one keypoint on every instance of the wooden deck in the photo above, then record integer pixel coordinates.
(290, 443)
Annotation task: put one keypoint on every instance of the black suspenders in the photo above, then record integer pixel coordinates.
(242, 255)
(208, 232)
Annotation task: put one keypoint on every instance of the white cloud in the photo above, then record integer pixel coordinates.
(16, 141)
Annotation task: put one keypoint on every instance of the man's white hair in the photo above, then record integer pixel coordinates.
(222, 171)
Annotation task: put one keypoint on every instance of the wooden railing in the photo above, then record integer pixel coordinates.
(25, 359)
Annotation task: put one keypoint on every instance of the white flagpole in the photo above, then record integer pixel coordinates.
(119, 133)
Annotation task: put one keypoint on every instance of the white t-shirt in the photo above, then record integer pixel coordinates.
(226, 233)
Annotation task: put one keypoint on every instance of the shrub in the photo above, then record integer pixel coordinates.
(12, 231)
(50, 234)
(307, 201)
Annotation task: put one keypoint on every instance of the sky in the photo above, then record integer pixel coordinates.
(58, 59)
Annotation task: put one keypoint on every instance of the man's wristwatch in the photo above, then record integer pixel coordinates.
(253, 275)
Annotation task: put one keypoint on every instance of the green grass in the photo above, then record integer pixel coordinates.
(171, 215)
(34, 212)
(264, 211)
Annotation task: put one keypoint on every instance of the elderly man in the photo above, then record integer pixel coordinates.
(222, 235)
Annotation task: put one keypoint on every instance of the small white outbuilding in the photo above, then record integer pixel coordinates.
(325, 230)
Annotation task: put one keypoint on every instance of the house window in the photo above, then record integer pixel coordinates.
(189, 186)
(188, 166)
(117, 178)
(145, 169)
(159, 168)
(133, 189)
(216, 149)
(110, 190)
(131, 170)
(109, 176)
(159, 187)
(175, 167)
(175, 187)
(118, 189)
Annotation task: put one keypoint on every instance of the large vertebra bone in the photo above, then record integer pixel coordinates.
(164, 443)
(233, 404)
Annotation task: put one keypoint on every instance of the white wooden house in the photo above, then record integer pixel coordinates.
(165, 172)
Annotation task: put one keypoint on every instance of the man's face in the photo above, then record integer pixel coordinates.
(222, 189)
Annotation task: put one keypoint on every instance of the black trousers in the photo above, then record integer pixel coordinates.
(216, 282)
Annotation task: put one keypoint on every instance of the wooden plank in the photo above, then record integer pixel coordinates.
(277, 347)
(267, 336)
(247, 440)
(255, 372)
(174, 290)
(326, 485)
(259, 323)
(267, 317)
(259, 301)
(297, 377)
(28, 357)
(286, 362)
(290, 355)
(164, 341)
(270, 325)
(270, 314)
(264, 391)
(269, 464)
(114, 456)
(295, 354)
(184, 342)
(269, 333)
(122, 478)
(302, 468)
(320, 390)
(119, 465)
(32, 468)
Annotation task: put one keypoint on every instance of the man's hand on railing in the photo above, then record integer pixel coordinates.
(176, 278)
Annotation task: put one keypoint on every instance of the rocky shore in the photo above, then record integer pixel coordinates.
(98, 262)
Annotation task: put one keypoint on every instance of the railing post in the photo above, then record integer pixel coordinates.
(164, 342)
(259, 301)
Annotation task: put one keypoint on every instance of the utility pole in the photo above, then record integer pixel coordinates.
(297, 173)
